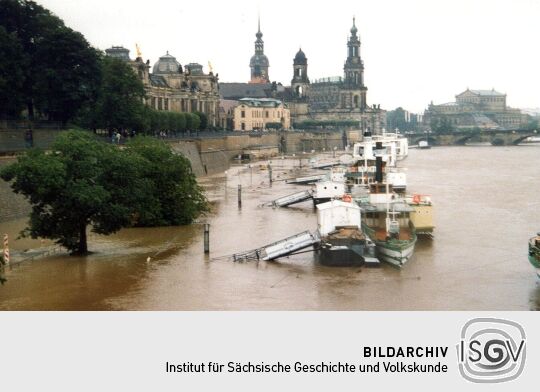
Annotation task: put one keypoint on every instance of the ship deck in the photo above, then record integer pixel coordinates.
(404, 234)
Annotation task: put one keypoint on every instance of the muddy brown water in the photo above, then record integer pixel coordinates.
(487, 205)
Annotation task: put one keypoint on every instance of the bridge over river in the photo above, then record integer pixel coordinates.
(494, 137)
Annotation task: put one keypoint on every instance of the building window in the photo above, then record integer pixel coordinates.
(160, 104)
(243, 126)
(266, 114)
(166, 103)
(243, 114)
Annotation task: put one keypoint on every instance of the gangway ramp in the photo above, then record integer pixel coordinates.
(306, 179)
(281, 248)
(293, 198)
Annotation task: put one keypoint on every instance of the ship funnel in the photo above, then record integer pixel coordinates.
(378, 162)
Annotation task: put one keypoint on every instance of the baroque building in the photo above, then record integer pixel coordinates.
(477, 109)
(334, 99)
(170, 87)
(251, 114)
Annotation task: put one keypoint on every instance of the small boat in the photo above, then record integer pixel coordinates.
(342, 241)
(534, 253)
(423, 145)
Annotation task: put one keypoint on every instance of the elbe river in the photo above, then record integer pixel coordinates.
(487, 205)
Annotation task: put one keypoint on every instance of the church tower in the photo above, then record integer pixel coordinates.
(259, 62)
(355, 98)
(300, 80)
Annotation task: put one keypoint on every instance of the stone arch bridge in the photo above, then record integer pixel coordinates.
(495, 137)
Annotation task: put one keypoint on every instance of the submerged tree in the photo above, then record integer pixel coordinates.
(84, 182)
(172, 195)
(120, 98)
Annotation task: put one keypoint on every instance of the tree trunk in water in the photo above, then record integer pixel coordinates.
(30, 106)
(83, 245)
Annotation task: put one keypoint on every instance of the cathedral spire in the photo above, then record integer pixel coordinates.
(354, 30)
(259, 62)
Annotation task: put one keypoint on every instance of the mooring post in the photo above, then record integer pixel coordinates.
(270, 173)
(239, 195)
(6, 249)
(207, 238)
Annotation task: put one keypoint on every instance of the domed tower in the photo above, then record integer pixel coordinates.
(354, 71)
(259, 62)
(300, 80)
(167, 65)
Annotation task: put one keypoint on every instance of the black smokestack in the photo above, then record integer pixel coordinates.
(378, 162)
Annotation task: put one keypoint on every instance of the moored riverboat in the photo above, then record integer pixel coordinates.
(386, 221)
(534, 253)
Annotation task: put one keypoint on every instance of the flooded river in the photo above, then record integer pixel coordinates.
(487, 204)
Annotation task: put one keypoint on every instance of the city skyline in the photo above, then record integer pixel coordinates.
(414, 52)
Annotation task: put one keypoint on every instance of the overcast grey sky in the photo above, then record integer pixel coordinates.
(414, 51)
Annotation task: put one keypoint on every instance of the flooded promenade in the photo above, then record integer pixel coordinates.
(486, 202)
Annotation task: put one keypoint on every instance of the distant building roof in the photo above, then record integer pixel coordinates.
(158, 81)
(241, 90)
(261, 102)
(195, 69)
(227, 104)
(300, 58)
(487, 92)
(484, 93)
(118, 52)
(167, 64)
(330, 79)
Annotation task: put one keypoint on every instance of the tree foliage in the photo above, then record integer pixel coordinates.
(175, 197)
(84, 182)
(203, 123)
(119, 103)
(273, 125)
(397, 119)
(56, 70)
(442, 125)
(326, 124)
(11, 75)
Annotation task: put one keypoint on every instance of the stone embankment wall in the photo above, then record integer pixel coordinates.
(207, 155)
(12, 206)
(13, 140)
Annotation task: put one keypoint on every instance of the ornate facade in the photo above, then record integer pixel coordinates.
(334, 98)
(477, 109)
(328, 99)
(173, 88)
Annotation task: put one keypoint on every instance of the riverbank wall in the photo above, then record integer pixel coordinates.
(208, 154)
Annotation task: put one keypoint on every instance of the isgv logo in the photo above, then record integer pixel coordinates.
(491, 350)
